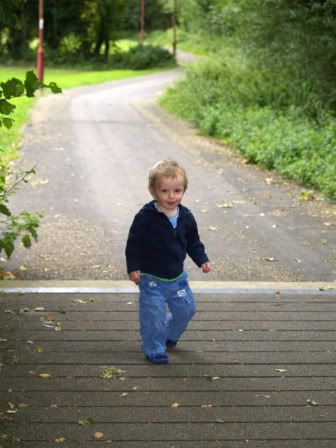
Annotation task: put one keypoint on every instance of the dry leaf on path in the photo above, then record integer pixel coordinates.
(212, 228)
(98, 435)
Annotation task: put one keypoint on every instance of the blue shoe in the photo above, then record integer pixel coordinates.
(170, 344)
(158, 358)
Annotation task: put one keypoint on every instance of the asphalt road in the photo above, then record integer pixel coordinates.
(93, 148)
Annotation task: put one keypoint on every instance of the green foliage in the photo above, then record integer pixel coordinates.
(25, 224)
(12, 226)
(14, 88)
(223, 101)
(269, 87)
(143, 57)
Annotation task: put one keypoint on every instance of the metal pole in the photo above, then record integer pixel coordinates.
(40, 53)
(174, 26)
(142, 22)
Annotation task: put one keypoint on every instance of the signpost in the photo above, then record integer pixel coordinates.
(40, 53)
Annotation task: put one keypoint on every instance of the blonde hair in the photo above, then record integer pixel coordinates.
(166, 168)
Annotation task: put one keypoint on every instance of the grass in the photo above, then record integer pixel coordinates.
(66, 79)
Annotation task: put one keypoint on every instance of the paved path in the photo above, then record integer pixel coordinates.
(253, 370)
(93, 147)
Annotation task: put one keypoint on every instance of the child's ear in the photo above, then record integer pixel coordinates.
(151, 191)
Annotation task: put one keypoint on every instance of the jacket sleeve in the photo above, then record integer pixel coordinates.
(195, 247)
(132, 251)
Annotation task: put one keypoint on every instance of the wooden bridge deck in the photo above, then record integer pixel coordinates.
(251, 371)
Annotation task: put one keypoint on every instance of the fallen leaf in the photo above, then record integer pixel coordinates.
(48, 318)
(40, 350)
(175, 404)
(220, 420)
(269, 259)
(24, 310)
(281, 370)
(60, 440)
(39, 308)
(86, 421)
(98, 435)
(112, 372)
(307, 195)
(44, 375)
(212, 228)
(124, 394)
(312, 402)
(5, 275)
(212, 378)
(12, 409)
(229, 205)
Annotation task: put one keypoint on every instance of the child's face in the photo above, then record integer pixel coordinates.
(168, 192)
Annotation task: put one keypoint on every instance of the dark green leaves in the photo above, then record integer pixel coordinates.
(12, 88)
(4, 210)
(31, 83)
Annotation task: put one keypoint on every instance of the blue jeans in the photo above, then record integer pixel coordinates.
(165, 311)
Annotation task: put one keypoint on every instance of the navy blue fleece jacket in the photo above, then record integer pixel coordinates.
(155, 247)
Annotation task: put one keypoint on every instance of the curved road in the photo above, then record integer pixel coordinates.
(93, 147)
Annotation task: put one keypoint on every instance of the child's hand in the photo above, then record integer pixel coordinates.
(135, 277)
(206, 267)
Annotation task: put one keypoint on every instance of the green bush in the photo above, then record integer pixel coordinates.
(142, 57)
(260, 120)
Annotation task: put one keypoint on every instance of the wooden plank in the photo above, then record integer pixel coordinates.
(43, 334)
(172, 370)
(36, 383)
(194, 325)
(182, 414)
(134, 356)
(63, 346)
(196, 443)
(143, 399)
(201, 316)
(180, 432)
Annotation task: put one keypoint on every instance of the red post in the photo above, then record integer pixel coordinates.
(142, 22)
(40, 53)
(174, 14)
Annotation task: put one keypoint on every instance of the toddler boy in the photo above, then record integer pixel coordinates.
(163, 232)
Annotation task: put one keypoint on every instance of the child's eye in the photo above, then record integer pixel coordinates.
(178, 190)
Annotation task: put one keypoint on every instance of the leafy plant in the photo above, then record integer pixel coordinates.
(24, 224)
(142, 57)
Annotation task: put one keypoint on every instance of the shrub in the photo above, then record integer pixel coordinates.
(143, 57)
(263, 126)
